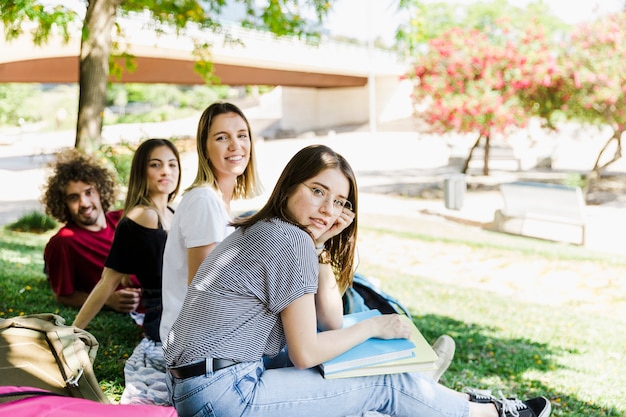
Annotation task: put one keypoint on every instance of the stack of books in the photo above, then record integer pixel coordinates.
(381, 356)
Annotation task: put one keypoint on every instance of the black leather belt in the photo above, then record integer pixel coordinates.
(200, 368)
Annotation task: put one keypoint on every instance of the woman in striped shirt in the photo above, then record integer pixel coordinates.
(276, 282)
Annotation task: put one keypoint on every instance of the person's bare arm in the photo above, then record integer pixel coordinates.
(328, 303)
(195, 256)
(98, 297)
(307, 347)
(124, 300)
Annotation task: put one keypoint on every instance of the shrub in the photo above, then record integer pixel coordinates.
(34, 222)
(119, 158)
(574, 179)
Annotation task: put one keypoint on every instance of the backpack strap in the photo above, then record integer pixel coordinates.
(30, 393)
(365, 295)
(64, 341)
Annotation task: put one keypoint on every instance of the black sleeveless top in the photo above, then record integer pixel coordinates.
(138, 250)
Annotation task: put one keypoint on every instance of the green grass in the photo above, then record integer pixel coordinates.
(525, 349)
(510, 343)
(570, 355)
(483, 239)
(25, 290)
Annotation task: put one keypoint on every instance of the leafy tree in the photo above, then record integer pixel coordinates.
(547, 88)
(98, 50)
(430, 20)
(12, 99)
(472, 81)
(595, 62)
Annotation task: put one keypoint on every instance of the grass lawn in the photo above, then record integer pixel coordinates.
(25, 290)
(545, 322)
(525, 333)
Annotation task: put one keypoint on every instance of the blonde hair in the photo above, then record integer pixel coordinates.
(247, 184)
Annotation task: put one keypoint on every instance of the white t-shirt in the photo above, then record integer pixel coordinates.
(200, 219)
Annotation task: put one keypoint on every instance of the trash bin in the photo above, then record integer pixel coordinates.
(454, 191)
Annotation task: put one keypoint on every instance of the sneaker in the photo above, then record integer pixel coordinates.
(444, 347)
(482, 396)
(535, 407)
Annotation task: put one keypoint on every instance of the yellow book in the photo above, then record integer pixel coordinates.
(423, 359)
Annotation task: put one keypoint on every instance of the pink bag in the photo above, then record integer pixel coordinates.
(35, 402)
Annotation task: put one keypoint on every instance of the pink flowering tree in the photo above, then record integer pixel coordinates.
(473, 81)
(596, 61)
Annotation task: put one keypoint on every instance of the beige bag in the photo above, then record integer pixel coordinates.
(40, 351)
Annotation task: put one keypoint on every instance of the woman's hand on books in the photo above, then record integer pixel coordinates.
(391, 326)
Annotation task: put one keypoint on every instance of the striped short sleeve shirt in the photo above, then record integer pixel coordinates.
(232, 308)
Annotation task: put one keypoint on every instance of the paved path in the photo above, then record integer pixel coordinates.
(386, 163)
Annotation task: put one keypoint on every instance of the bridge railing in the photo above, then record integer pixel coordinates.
(240, 45)
(233, 45)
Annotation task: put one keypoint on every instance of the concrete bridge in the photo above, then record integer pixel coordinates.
(327, 84)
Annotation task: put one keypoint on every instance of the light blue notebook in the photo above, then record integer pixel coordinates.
(372, 351)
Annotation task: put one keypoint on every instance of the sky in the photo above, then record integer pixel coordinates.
(351, 17)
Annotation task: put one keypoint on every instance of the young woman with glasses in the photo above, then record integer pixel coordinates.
(266, 287)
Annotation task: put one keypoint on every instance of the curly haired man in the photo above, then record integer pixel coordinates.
(79, 193)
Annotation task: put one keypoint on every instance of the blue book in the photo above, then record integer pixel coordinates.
(371, 352)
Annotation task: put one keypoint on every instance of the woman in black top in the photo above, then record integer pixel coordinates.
(140, 236)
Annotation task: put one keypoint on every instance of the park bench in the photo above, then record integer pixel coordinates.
(546, 211)
(504, 158)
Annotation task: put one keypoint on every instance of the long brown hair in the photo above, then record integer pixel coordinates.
(138, 193)
(305, 164)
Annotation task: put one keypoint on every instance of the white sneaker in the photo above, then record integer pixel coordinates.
(444, 347)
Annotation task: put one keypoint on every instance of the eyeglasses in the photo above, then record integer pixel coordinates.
(319, 197)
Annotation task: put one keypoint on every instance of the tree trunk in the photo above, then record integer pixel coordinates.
(469, 157)
(94, 72)
(594, 175)
(486, 158)
(617, 137)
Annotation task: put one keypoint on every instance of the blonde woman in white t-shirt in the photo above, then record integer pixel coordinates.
(226, 171)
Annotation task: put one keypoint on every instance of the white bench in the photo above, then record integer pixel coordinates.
(504, 158)
(546, 211)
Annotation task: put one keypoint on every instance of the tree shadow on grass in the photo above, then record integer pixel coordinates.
(481, 358)
(478, 352)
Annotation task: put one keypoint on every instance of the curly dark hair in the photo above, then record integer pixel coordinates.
(75, 166)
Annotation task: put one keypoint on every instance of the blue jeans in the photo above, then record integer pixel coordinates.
(248, 389)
